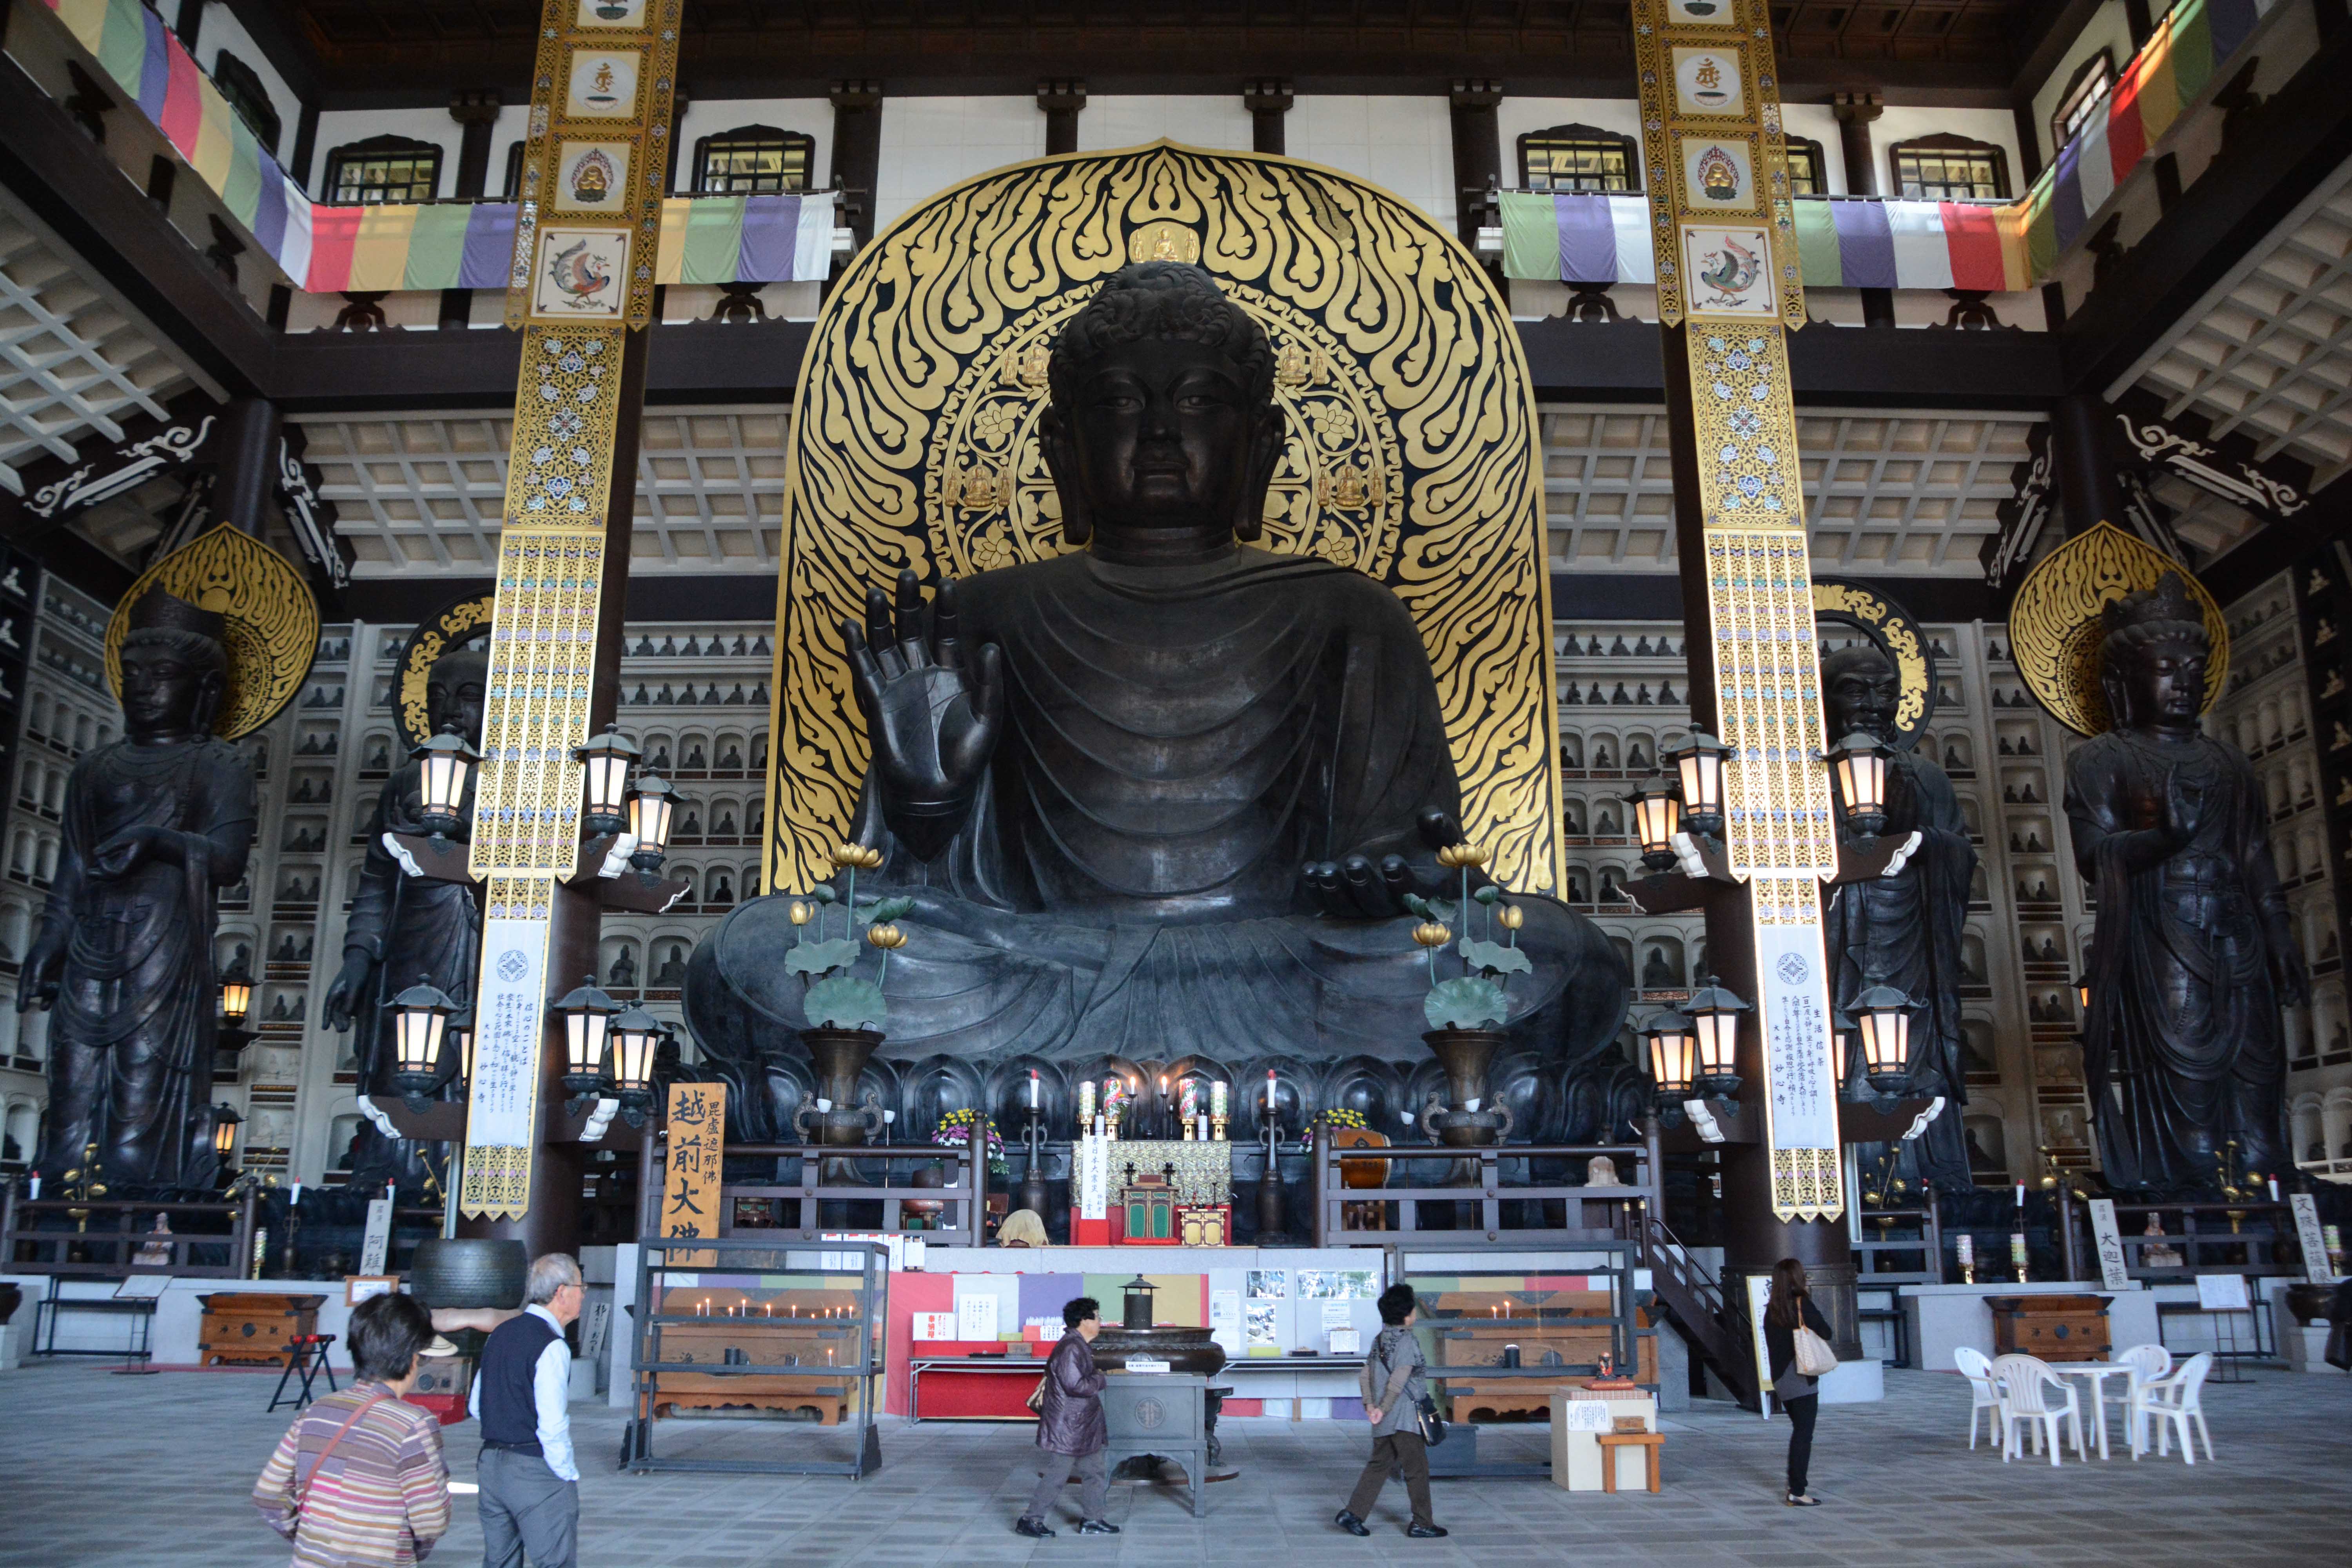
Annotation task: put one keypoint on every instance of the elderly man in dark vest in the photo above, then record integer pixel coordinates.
(522, 1394)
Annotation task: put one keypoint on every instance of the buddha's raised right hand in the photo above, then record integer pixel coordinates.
(932, 707)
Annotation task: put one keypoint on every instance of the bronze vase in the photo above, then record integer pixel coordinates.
(840, 1056)
(1466, 1055)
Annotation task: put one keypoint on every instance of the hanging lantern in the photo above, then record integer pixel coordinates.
(1657, 818)
(420, 1017)
(652, 803)
(224, 1124)
(1843, 1045)
(459, 1034)
(446, 760)
(636, 1036)
(1674, 1050)
(1858, 764)
(2083, 989)
(608, 758)
(587, 1013)
(1715, 1013)
(1883, 1017)
(1699, 762)
(236, 998)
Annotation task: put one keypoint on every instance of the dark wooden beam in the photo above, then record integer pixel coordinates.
(2047, 36)
(2295, 141)
(1601, 361)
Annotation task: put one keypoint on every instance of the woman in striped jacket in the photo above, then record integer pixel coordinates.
(358, 1481)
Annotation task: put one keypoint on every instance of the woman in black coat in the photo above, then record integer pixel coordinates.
(1798, 1394)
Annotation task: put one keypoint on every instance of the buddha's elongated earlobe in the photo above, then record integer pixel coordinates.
(1062, 462)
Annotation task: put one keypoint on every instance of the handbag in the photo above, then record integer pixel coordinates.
(1814, 1358)
(302, 1491)
(1036, 1400)
(1432, 1424)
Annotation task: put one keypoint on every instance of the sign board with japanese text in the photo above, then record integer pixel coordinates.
(697, 1148)
(2312, 1238)
(2114, 1273)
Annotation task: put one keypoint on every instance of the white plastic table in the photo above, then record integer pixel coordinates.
(2098, 1371)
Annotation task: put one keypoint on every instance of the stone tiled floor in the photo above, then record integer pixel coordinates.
(107, 1470)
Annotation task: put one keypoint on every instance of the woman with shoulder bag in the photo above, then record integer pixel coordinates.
(1797, 1346)
(1394, 1394)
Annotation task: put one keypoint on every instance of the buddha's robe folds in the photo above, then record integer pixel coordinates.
(1178, 743)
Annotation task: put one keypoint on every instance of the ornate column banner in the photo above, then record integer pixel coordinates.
(585, 235)
(1728, 270)
(698, 1149)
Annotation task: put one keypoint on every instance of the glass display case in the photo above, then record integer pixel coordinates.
(764, 1336)
(1537, 1332)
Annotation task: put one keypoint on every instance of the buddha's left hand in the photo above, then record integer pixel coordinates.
(1357, 888)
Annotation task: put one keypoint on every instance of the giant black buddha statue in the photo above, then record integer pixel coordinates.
(155, 825)
(404, 929)
(1163, 796)
(1905, 930)
(2193, 952)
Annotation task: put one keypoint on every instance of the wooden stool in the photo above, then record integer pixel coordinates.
(1650, 1442)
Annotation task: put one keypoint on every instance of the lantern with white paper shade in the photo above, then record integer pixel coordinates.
(1883, 1023)
(1714, 1018)
(444, 762)
(1657, 818)
(2083, 988)
(459, 1032)
(420, 1016)
(224, 1124)
(1699, 763)
(635, 1034)
(652, 803)
(607, 759)
(1858, 765)
(587, 1013)
(1673, 1055)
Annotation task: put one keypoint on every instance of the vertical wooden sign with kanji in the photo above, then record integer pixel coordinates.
(697, 1147)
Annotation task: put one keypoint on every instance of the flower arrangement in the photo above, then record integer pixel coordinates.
(954, 1131)
(1340, 1116)
(1474, 999)
(833, 996)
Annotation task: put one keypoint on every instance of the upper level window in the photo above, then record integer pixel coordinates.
(2086, 96)
(753, 159)
(1944, 168)
(1579, 158)
(242, 86)
(514, 171)
(1806, 175)
(383, 168)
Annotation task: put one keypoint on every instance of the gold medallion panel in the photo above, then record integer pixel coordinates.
(2057, 629)
(271, 634)
(1412, 451)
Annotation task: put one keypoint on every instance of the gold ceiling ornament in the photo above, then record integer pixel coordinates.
(1412, 456)
(273, 621)
(464, 620)
(2056, 630)
(1889, 627)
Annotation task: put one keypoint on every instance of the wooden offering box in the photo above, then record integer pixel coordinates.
(253, 1328)
(2055, 1328)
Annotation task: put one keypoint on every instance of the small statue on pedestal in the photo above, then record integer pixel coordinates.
(154, 824)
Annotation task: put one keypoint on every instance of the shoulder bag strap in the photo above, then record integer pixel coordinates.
(302, 1492)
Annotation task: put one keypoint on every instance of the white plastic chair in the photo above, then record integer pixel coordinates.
(2175, 1402)
(1977, 1367)
(2147, 1363)
(2025, 1387)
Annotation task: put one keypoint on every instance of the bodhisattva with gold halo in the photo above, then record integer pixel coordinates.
(1165, 795)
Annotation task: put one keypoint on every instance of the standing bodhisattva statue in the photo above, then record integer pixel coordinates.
(154, 825)
(1161, 795)
(2193, 953)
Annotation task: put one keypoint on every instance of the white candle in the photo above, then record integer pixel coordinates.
(1032, 1088)
(37, 1189)
(2273, 1189)
(298, 1195)
(2020, 1195)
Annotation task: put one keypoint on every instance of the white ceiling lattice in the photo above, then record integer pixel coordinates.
(72, 362)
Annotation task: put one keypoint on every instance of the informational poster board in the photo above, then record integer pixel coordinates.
(1760, 1295)
(2222, 1293)
(698, 1149)
(2313, 1239)
(2108, 1238)
(377, 1244)
(1226, 1320)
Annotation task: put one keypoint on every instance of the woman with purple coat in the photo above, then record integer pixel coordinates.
(1070, 1426)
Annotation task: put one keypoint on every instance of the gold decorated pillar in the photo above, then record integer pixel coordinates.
(1728, 293)
(581, 290)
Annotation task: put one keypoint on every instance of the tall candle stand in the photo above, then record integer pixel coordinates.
(1032, 1179)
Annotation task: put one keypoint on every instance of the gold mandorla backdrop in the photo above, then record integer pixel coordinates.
(1413, 454)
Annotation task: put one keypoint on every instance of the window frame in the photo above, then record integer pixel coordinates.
(2099, 66)
(385, 146)
(1580, 132)
(1944, 142)
(1810, 153)
(755, 136)
(513, 188)
(246, 93)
